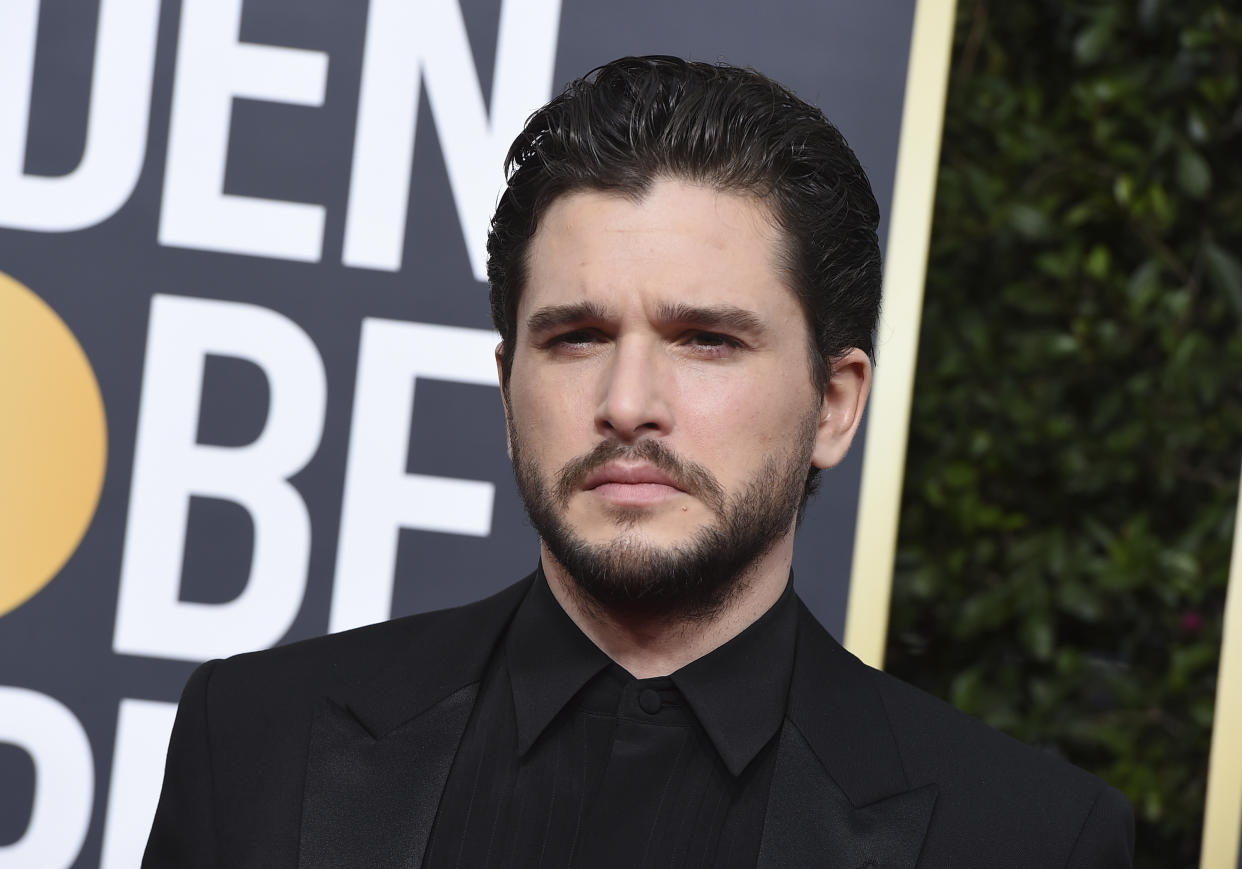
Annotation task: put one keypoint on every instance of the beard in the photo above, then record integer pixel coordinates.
(688, 581)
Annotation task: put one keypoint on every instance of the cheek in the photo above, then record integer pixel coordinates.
(740, 400)
(548, 417)
(739, 422)
(724, 421)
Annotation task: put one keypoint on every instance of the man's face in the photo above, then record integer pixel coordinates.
(661, 407)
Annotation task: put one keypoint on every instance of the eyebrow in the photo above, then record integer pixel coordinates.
(729, 317)
(555, 316)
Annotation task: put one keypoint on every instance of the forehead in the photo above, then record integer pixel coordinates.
(679, 243)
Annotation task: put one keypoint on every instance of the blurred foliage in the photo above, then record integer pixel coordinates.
(1077, 422)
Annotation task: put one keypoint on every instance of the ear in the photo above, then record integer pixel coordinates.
(504, 396)
(842, 408)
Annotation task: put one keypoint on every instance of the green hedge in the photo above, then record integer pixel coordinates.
(1077, 423)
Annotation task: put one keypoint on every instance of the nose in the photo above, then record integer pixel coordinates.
(635, 390)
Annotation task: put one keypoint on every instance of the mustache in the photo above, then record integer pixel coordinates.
(689, 476)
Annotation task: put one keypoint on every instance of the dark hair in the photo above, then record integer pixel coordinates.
(634, 120)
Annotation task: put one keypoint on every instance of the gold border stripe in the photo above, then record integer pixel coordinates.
(1222, 821)
(918, 156)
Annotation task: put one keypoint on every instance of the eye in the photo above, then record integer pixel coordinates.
(578, 339)
(711, 343)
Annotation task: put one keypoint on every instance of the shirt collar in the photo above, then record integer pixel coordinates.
(549, 659)
(737, 692)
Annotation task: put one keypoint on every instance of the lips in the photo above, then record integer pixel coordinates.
(617, 473)
(635, 475)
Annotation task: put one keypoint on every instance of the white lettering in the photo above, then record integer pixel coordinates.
(380, 497)
(169, 467)
(116, 126)
(212, 68)
(64, 778)
(142, 730)
(412, 42)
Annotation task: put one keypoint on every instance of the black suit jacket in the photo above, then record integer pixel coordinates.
(333, 753)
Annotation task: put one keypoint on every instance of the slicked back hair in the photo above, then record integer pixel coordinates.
(638, 119)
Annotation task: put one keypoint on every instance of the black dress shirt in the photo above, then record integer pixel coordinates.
(569, 761)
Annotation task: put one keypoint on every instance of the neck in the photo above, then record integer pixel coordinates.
(651, 644)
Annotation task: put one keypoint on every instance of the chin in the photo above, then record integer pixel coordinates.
(642, 526)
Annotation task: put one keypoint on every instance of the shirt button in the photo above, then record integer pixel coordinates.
(649, 701)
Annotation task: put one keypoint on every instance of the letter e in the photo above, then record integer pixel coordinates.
(380, 497)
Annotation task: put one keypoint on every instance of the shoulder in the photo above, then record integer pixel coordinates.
(445, 645)
(999, 801)
(237, 756)
(936, 740)
(999, 794)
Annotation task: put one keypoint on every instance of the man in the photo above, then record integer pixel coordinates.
(685, 277)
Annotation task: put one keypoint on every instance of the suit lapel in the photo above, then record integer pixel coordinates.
(380, 751)
(839, 795)
(372, 802)
(380, 754)
(810, 822)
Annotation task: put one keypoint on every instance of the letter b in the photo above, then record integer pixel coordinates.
(169, 467)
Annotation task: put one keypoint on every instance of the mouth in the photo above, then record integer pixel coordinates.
(632, 484)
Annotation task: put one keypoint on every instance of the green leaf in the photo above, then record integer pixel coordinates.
(1097, 262)
(1225, 273)
(966, 690)
(1202, 712)
(1148, 11)
(1123, 189)
(1180, 562)
(1029, 222)
(1090, 44)
(1080, 600)
(1059, 264)
(1193, 173)
(1143, 286)
(1037, 636)
(1161, 206)
(961, 475)
(1187, 660)
(1196, 126)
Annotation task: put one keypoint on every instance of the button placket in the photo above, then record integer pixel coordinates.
(649, 701)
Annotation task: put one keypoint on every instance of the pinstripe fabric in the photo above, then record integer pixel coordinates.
(568, 761)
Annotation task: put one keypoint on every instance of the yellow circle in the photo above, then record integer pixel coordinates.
(53, 443)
